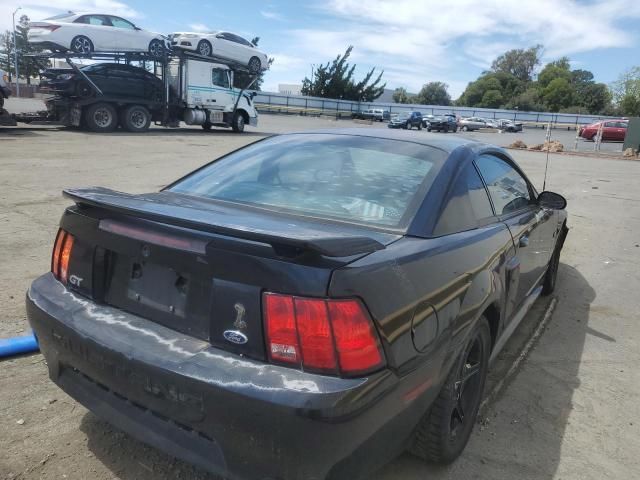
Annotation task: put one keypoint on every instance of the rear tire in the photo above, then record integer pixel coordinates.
(255, 65)
(81, 44)
(206, 126)
(407, 126)
(465, 128)
(101, 117)
(419, 126)
(237, 123)
(445, 429)
(135, 119)
(204, 48)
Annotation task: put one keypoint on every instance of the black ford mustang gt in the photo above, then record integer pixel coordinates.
(305, 307)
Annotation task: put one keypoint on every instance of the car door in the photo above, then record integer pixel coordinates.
(223, 46)
(98, 29)
(128, 38)
(531, 226)
(621, 131)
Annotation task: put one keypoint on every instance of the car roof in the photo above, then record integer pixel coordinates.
(445, 142)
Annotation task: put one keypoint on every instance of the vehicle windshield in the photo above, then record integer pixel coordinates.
(371, 181)
(402, 116)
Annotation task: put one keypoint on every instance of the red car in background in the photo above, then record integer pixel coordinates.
(611, 130)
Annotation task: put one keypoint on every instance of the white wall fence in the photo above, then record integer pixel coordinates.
(268, 102)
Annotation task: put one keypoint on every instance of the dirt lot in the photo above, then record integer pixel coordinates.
(571, 411)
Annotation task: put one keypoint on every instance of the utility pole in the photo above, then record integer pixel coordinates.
(15, 52)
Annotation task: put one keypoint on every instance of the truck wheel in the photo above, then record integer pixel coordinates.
(81, 44)
(254, 65)
(101, 117)
(445, 429)
(420, 126)
(465, 128)
(206, 126)
(135, 118)
(204, 48)
(237, 124)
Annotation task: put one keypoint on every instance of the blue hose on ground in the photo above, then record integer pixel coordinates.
(18, 345)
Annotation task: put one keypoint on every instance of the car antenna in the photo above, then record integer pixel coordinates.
(547, 141)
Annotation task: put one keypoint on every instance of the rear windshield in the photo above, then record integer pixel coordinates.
(362, 180)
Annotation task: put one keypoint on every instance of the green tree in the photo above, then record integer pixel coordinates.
(551, 71)
(595, 97)
(6, 53)
(400, 95)
(433, 93)
(335, 80)
(626, 92)
(492, 99)
(518, 62)
(557, 94)
(527, 101)
(503, 86)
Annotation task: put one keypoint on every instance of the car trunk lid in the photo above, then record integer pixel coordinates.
(200, 267)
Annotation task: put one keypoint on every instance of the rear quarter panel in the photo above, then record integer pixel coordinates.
(456, 276)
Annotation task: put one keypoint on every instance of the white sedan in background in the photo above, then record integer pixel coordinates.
(226, 45)
(89, 32)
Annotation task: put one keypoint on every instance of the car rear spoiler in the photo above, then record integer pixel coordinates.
(163, 210)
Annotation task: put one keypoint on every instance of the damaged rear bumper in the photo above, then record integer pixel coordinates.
(235, 417)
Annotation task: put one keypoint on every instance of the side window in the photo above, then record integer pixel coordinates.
(622, 125)
(220, 77)
(82, 19)
(467, 205)
(121, 23)
(610, 124)
(97, 20)
(508, 189)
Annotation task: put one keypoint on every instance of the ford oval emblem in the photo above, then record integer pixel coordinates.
(234, 336)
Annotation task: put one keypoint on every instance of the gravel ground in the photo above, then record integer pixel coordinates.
(571, 412)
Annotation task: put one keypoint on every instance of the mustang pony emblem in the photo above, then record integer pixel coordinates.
(239, 322)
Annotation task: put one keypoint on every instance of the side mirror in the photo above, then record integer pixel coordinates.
(552, 200)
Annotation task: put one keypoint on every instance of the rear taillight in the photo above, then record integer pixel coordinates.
(61, 255)
(321, 335)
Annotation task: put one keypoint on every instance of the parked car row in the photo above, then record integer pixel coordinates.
(450, 122)
(86, 33)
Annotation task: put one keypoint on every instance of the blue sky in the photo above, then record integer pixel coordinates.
(414, 41)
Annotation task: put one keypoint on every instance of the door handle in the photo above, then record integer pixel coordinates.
(523, 241)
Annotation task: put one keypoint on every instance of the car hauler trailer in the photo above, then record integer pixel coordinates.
(197, 90)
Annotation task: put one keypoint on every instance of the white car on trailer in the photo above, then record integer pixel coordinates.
(225, 45)
(94, 32)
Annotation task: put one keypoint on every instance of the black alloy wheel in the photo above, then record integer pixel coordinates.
(445, 429)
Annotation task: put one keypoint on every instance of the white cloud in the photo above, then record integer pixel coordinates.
(199, 27)
(271, 15)
(420, 41)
